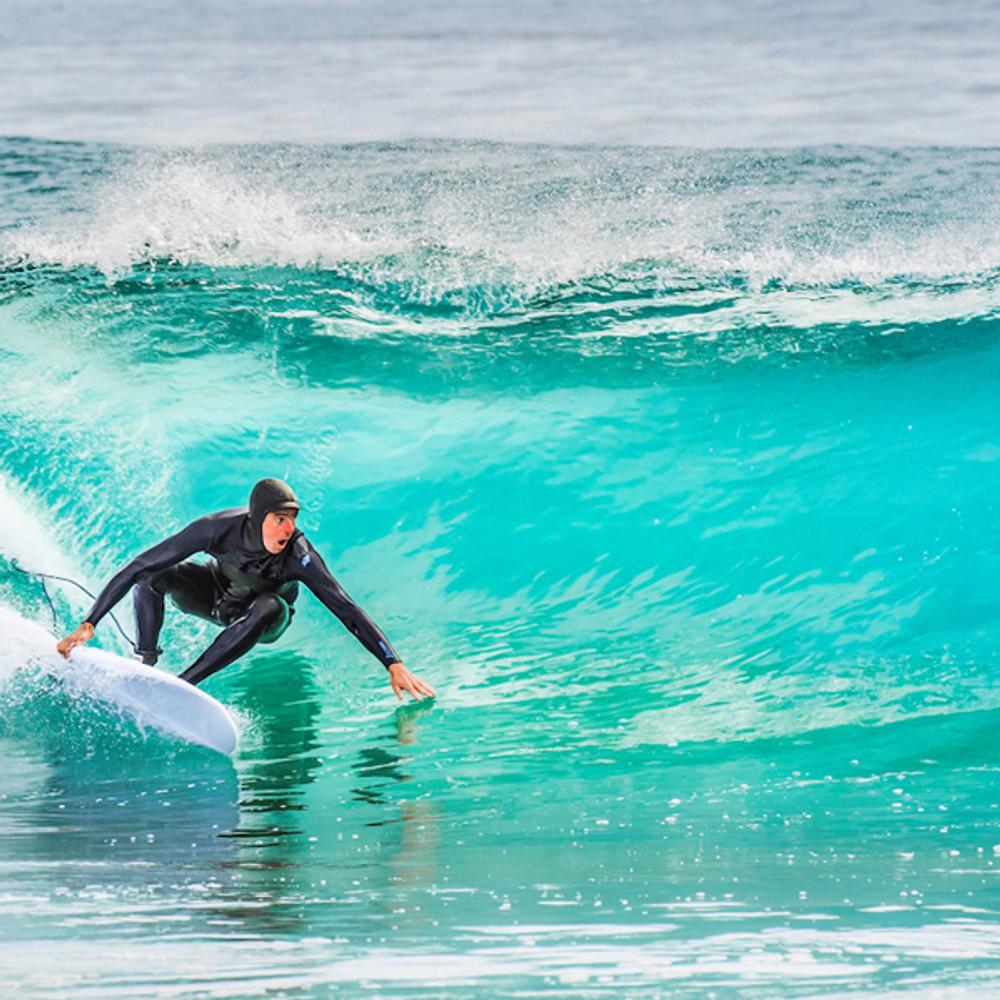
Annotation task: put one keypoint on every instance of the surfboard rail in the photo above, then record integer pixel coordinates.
(153, 698)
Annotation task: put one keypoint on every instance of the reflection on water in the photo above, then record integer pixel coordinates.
(136, 804)
(110, 829)
(378, 762)
(107, 790)
(279, 693)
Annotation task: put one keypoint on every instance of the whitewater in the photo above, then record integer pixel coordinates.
(674, 471)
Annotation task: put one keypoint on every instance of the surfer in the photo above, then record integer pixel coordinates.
(249, 586)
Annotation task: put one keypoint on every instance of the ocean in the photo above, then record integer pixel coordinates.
(644, 396)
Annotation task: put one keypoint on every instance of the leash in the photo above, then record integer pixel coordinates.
(42, 577)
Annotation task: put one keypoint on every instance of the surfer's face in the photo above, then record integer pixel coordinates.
(277, 529)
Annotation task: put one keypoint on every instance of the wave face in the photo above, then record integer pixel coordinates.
(674, 472)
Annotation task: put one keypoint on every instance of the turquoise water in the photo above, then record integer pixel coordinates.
(673, 472)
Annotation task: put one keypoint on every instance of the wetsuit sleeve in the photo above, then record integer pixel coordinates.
(194, 538)
(312, 571)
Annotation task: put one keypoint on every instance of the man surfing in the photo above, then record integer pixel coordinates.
(249, 586)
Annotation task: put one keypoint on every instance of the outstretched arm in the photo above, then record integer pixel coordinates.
(171, 550)
(312, 571)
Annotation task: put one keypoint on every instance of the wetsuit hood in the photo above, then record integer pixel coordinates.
(267, 496)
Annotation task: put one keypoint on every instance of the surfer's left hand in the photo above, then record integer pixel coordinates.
(84, 633)
(402, 680)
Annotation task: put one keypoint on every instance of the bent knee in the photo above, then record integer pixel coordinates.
(270, 610)
(274, 616)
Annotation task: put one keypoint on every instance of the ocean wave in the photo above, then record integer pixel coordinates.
(493, 230)
(472, 361)
(183, 213)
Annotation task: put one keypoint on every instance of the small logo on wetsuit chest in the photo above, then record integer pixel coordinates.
(305, 560)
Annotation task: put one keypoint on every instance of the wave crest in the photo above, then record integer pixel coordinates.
(712, 240)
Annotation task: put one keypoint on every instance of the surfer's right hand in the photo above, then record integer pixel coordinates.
(84, 633)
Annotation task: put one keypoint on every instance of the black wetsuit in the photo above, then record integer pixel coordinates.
(243, 587)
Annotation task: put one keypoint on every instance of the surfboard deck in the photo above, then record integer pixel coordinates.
(153, 698)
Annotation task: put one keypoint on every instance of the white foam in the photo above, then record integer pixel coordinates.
(25, 534)
(188, 211)
(466, 217)
(24, 643)
(28, 537)
(648, 244)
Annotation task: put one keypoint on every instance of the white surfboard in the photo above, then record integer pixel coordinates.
(153, 698)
